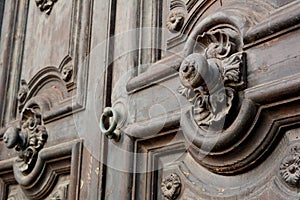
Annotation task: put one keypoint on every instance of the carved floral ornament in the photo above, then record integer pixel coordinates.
(212, 78)
(290, 168)
(171, 186)
(175, 20)
(221, 117)
(28, 139)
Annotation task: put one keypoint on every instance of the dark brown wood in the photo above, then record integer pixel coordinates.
(146, 99)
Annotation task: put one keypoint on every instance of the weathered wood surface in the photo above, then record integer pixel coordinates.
(183, 136)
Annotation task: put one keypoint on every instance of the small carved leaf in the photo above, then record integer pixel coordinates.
(231, 67)
(217, 43)
(221, 103)
(187, 92)
(183, 90)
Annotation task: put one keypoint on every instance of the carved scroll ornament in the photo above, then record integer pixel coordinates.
(29, 139)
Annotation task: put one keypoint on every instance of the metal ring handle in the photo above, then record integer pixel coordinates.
(112, 116)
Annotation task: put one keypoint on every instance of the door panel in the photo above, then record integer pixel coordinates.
(43, 51)
(238, 150)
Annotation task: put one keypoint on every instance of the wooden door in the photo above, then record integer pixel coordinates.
(146, 99)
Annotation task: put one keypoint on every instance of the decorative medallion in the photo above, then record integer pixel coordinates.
(171, 186)
(175, 20)
(290, 168)
(45, 5)
(28, 140)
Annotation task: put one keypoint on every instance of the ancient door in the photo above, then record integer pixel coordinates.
(149, 99)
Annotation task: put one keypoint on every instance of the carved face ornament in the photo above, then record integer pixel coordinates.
(188, 70)
(67, 72)
(11, 137)
(193, 70)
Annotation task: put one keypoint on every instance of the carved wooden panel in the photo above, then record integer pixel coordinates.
(154, 160)
(51, 45)
(151, 32)
(166, 171)
(60, 192)
(56, 171)
(15, 193)
(232, 97)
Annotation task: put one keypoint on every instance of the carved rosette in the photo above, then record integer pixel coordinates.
(290, 168)
(212, 77)
(171, 186)
(29, 139)
(175, 20)
(45, 5)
